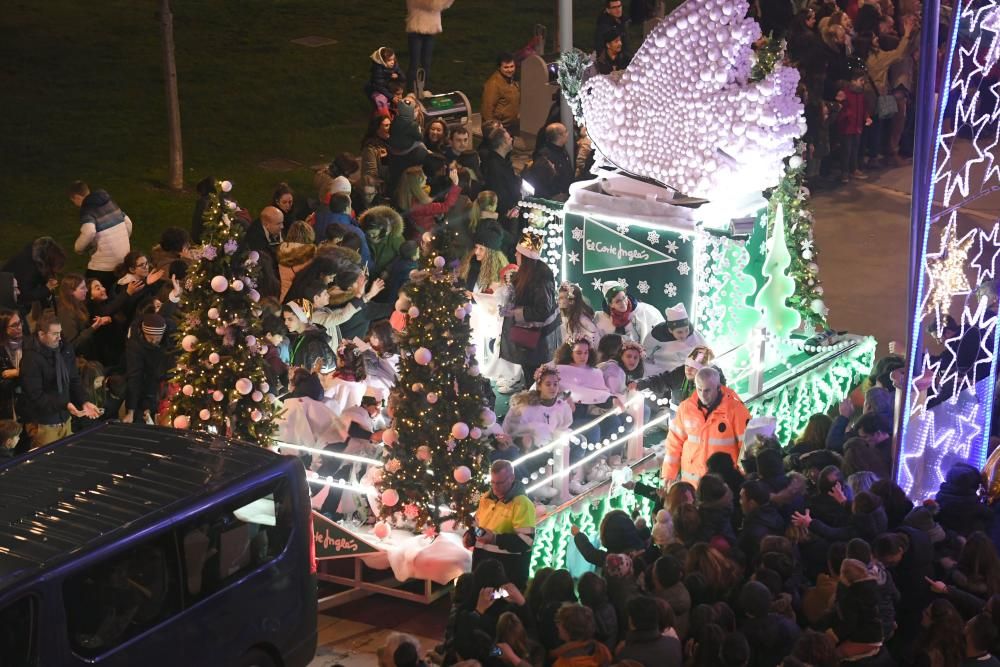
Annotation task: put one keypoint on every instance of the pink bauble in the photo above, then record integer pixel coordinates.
(226, 186)
(182, 421)
(237, 285)
(413, 311)
(439, 262)
(217, 396)
(390, 436)
(402, 303)
(244, 386)
(432, 398)
(390, 498)
(422, 356)
(460, 313)
(424, 453)
(256, 415)
(488, 417)
(475, 433)
(220, 284)
(265, 387)
(381, 530)
(257, 396)
(254, 295)
(204, 415)
(187, 390)
(188, 343)
(427, 237)
(417, 387)
(251, 340)
(460, 430)
(220, 330)
(213, 313)
(462, 474)
(214, 358)
(253, 256)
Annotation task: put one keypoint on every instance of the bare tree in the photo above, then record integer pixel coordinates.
(175, 178)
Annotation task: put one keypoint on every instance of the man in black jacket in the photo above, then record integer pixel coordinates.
(498, 171)
(611, 20)
(145, 367)
(51, 385)
(264, 236)
(552, 171)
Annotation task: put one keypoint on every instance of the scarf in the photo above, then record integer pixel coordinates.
(62, 372)
(621, 320)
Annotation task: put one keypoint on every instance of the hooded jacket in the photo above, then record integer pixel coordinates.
(104, 230)
(666, 352)
(308, 346)
(292, 258)
(384, 228)
(381, 75)
(857, 617)
(694, 435)
(960, 507)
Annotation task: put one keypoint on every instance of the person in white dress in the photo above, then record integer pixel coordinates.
(669, 344)
(625, 315)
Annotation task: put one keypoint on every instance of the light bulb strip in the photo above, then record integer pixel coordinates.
(323, 452)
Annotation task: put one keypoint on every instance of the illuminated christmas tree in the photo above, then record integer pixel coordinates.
(770, 301)
(438, 454)
(220, 366)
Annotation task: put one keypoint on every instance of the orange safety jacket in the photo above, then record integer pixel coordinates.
(693, 437)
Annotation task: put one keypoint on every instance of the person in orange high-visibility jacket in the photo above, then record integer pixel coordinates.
(713, 419)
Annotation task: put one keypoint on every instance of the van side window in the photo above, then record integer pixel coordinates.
(18, 633)
(122, 596)
(234, 538)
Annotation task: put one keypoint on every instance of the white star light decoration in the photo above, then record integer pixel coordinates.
(643, 287)
(653, 237)
(670, 289)
(683, 268)
(671, 247)
(946, 272)
(597, 283)
(622, 228)
(976, 329)
(684, 112)
(577, 233)
(573, 257)
(985, 261)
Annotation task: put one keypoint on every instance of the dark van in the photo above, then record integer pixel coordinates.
(138, 545)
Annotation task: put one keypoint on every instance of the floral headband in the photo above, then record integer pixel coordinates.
(580, 338)
(567, 285)
(546, 369)
(632, 345)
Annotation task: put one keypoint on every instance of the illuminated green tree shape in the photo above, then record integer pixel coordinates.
(778, 317)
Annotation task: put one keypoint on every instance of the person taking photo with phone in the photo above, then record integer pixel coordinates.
(505, 525)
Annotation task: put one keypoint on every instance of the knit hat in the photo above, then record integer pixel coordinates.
(531, 244)
(342, 185)
(153, 324)
(302, 309)
(618, 565)
(853, 571)
(663, 529)
(755, 599)
(922, 518)
(489, 236)
(677, 316)
(611, 288)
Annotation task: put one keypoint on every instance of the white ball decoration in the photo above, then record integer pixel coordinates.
(213, 313)
(413, 311)
(187, 390)
(254, 295)
(795, 162)
(390, 436)
(217, 396)
(251, 340)
(381, 530)
(188, 343)
(265, 387)
(460, 430)
(237, 285)
(390, 497)
(422, 356)
(818, 307)
(488, 417)
(220, 284)
(226, 186)
(182, 421)
(253, 257)
(427, 237)
(424, 453)
(462, 474)
(214, 358)
(205, 414)
(432, 398)
(439, 262)
(244, 386)
(257, 396)
(220, 330)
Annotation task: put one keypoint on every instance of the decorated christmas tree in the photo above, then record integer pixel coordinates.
(778, 317)
(438, 454)
(793, 198)
(220, 366)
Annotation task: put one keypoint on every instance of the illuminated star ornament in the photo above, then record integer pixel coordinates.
(985, 261)
(970, 353)
(946, 272)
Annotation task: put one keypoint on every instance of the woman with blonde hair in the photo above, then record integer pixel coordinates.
(484, 208)
(510, 631)
(417, 206)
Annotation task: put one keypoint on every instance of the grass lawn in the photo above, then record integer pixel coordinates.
(83, 95)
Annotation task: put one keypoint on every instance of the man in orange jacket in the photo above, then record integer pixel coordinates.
(713, 419)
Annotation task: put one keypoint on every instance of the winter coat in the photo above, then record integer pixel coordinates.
(866, 526)
(716, 520)
(909, 576)
(537, 424)
(825, 508)
(424, 16)
(694, 435)
(332, 318)
(385, 244)
(859, 456)
(679, 599)
(651, 649)
(308, 346)
(536, 307)
(11, 397)
(146, 367)
(30, 280)
(888, 597)
(644, 318)
(381, 76)
(960, 507)
(758, 524)
(500, 177)
(104, 231)
(424, 216)
(666, 352)
(501, 99)
(606, 23)
(162, 259)
(257, 239)
(818, 600)
(292, 258)
(589, 652)
(771, 638)
(853, 112)
(879, 61)
(856, 618)
(374, 163)
(606, 622)
(45, 393)
(551, 171)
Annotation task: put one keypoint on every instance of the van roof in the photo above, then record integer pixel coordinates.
(106, 482)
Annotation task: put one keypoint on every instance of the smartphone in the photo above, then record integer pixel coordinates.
(500, 593)
(479, 532)
(495, 652)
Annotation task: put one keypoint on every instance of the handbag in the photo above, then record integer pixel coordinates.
(886, 107)
(525, 336)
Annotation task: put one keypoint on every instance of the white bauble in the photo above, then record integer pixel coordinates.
(220, 284)
(188, 343)
(462, 474)
(244, 386)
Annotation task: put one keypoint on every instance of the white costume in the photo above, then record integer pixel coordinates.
(585, 385)
(534, 423)
(663, 351)
(644, 318)
(586, 328)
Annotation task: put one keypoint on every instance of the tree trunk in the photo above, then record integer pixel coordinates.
(175, 178)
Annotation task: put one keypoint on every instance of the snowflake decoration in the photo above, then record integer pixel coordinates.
(230, 247)
(622, 228)
(643, 287)
(573, 257)
(670, 289)
(653, 237)
(577, 233)
(672, 247)
(807, 244)
(411, 511)
(985, 261)
(622, 282)
(683, 268)
(209, 252)
(597, 284)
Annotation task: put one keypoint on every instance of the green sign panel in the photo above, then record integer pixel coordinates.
(333, 541)
(605, 249)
